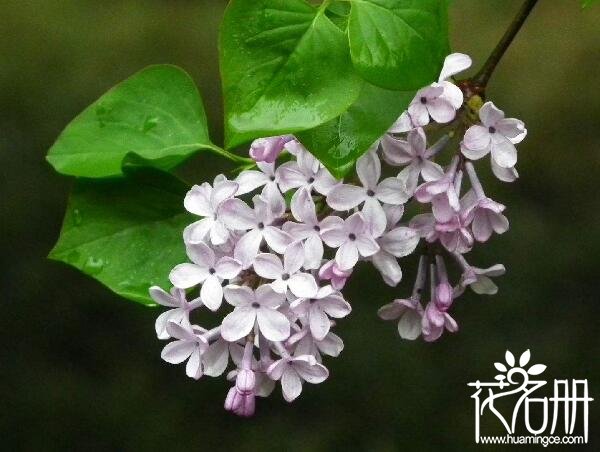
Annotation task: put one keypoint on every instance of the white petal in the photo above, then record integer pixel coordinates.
(409, 326)
(400, 241)
(453, 94)
(197, 231)
(418, 113)
(162, 297)
(303, 206)
(313, 252)
(333, 232)
(392, 191)
(277, 239)
(454, 64)
(346, 256)
(250, 180)
(238, 323)
(215, 358)
(504, 153)
(201, 254)
(490, 114)
(484, 286)
(332, 345)
(441, 110)
(366, 245)
(239, 295)
(368, 169)
(185, 276)
(236, 214)
(177, 351)
(345, 197)
(324, 182)
(193, 369)
(247, 247)
(391, 311)
(228, 267)
(268, 266)
(197, 200)
(318, 322)
(335, 306)
(293, 257)
(388, 267)
(303, 285)
(374, 216)
(211, 293)
(269, 298)
(223, 191)
(273, 324)
(477, 138)
(504, 174)
(172, 315)
(396, 152)
(291, 385)
(311, 372)
(290, 176)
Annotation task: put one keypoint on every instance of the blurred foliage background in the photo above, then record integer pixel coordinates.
(81, 369)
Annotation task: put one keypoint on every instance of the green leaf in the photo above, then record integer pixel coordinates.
(340, 142)
(126, 233)
(157, 114)
(398, 44)
(285, 67)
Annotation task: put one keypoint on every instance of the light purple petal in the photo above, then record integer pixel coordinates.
(490, 114)
(303, 285)
(273, 324)
(345, 197)
(201, 254)
(293, 257)
(368, 169)
(193, 368)
(250, 180)
(400, 241)
(238, 323)
(236, 214)
(313, 373)
(388, 267)
(454, 64)
(303, 207)
(392, 191)
(346, 256)
(268, 266)
(185, 276)
(211, 293)
(504, 153)
(277, 239)
(318, 322)
(291, 385)
(228, 267)
(366, 245)
(197, 200)
(222, 191)
(441, 110)
(477, 142)
(177, 352)
(266, 297)
(239, 295)
(247, 247)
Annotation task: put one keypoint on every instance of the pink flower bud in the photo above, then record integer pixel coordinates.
(444, 296)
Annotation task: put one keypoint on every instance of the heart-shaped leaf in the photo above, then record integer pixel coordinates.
(126, 233)
(285, 67)
(156, 113)
(398, 44)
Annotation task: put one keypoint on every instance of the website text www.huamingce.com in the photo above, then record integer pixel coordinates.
(545, 441)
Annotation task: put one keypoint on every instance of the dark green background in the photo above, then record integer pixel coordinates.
(81, 369)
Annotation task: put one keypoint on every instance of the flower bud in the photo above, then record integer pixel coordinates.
(245, 381)
(444, 296)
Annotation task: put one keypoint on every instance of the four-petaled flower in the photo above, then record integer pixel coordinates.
(292, 371)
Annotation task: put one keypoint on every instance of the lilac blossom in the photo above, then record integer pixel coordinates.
(352, 238)
(252, 307)
(292, 371)
(372, 193)
(179, 312)
(207, 270)
(287, 275)
(189, 345)
(414, 155)
(326, 302)
(204, 200)
(496, 135)
(258, 223)
(331, 272)
(306, 172)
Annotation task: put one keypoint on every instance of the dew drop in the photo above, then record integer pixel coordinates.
(149, 124)
(93, 266)
(77, 219)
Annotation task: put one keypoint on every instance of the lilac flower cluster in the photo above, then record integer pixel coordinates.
(279, 243)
